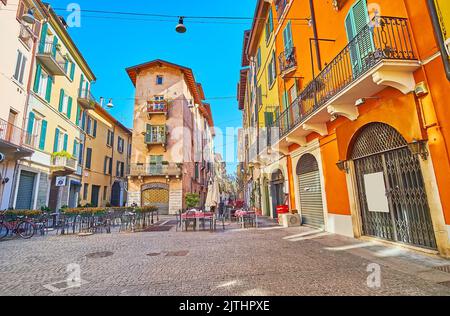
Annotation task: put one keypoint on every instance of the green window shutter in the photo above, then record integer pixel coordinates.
(37, 78)
(43, 38)
(287, 37)
(86, 89)
(77, 118)
(66, 140)
(55, 43)
(80, 89)
(55, 144)
(88, 157)
(48, 94)
(94, 132)
(69, 108)
(72, 71)
(66, 65)
(268, 117)
(105, 161)
(43, 135)
(61, 100)
(75, 147)
(30, 124)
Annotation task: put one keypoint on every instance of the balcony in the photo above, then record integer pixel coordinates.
(26, 35)
(287, 61)
(63, 166)
(86, 99)
(13, 140)
(380, 56)
(157, 107)
(156, 135)
(52, 59)
(155, 170)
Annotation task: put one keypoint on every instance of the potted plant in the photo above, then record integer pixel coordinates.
(192, 200)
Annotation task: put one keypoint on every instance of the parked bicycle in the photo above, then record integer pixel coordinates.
(20, 225)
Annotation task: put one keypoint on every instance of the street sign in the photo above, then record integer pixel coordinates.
(61, 181)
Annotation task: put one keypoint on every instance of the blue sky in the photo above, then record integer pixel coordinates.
(212, 50)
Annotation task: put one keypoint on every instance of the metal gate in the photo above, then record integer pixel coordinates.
(25, 191)
(277, 191)
(156, 194)
(380, 149)
(310, 191)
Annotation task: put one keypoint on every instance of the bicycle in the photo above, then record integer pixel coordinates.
(21, 226)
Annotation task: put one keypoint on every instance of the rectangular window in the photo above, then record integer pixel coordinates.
(20, 67)
(43, 82)
(110, 138)
(120, 169)
(105, 193)
(155, 164)
(120, 144)
(258, 59)
(159, 102)
(88, 158)
(85, 191)
(269, 26)
(107, 166)
(287, 37)
(272, 70)
(159, 80)
(155, 134)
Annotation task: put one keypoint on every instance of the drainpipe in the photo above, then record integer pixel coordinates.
(314, 26)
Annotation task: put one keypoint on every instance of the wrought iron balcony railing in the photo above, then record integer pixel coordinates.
(15, 136)
(157, 107)
(288, 60)
(385, 38)
(86, 99)
(153, 169)
(52, 59)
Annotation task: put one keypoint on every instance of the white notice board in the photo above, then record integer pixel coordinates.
(376, 192)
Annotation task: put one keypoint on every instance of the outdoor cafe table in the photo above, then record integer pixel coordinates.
(197, 217)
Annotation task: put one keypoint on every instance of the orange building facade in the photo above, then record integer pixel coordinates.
(361, 137)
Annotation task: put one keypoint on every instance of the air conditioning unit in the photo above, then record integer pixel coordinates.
(289, 220)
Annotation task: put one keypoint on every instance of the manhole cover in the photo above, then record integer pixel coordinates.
(100, 254)
(158, 229)
(443, 268)
(153, 254)
(181, 253)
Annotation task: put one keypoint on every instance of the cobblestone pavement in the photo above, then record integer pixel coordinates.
(264, 261)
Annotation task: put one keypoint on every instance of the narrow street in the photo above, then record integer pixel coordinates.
(265, 261)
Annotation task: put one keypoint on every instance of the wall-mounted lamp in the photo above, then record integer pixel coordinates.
(343, 166)
(419, 148)
(29, 17)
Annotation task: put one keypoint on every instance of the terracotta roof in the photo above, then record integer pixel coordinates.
(261, 13)
(206, 110)
(242, 88)
(189, 76)
(245, 59)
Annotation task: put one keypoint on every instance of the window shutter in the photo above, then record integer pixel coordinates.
(105, 161)
(43, 135)
(55, 144)
(18, 63)
(43, 38)
(77, 117)
(66, 140)
(80, 91)
(48, 93)
(55, 43)
(61, 100)
(80, 154)
(268, 116)
(94, 133)
(72, 71)
(88, 157)
(37, 78)
(22, 70)
(75, 147)
(110, 165)
(66, 65)
(69, 108)
(30, 124)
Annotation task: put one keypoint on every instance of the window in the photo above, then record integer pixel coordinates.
(110, 138)
(107, 165)
(105, 193)
(61, 140)
(88, 158)
(65, 104)
(159, 80)
(155, 164)
(91, 127)
(76, 148)
(269, 26)
(258, 59)
(20, 67)
(36, 131)
(85, 191)
(120, 169)
(159, 102)
(120, 144)
(43, 84)
(272, 70)
(287, 37)
(69, 69)
(156, 134)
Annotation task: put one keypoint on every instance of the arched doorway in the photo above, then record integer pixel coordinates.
(391, 192)
(116, 194)
(277, 191)
(156, 194)
(310, 191)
